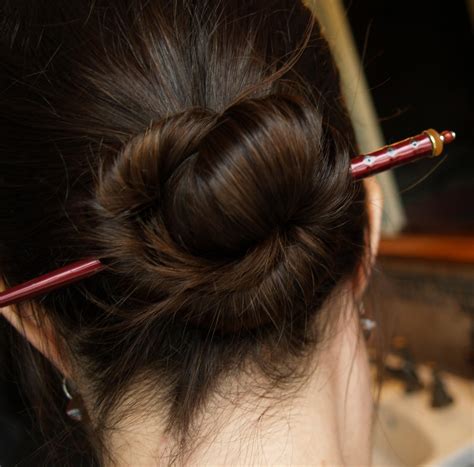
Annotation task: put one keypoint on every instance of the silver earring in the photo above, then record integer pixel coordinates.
(66, 391)
(367, 324)
(73, 409)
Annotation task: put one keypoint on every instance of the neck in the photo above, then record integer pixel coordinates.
(326, 422)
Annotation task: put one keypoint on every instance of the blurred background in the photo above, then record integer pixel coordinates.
(417, 59)
(406, 66)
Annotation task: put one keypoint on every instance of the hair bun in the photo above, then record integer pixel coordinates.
(247, 179)
(141, 170)
(230, 217)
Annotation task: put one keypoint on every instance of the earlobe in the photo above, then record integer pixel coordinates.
(42, 335)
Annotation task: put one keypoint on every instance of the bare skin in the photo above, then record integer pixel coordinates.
(327, 422)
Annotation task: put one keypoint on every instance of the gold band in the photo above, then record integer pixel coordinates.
(436, 141)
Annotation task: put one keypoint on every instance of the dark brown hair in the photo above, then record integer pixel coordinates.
(202, 150)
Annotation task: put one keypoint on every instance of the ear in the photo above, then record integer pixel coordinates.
(40, 333)
(374, 206)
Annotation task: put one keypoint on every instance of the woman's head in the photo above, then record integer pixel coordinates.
(202, 150)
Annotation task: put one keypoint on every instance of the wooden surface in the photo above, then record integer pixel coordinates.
(459, 249)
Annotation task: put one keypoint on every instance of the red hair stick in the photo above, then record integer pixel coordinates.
(429, 143)
(50, 281)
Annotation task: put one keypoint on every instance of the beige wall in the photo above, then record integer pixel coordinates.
(336, 28)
